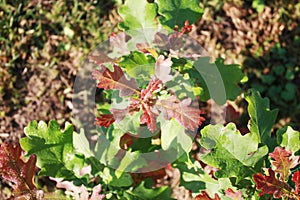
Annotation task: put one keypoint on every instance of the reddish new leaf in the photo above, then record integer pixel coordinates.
(204, 196)
(296, 180)
(186, 115)
(15, 170)
(105, 120)
(271, 185)
(147, 94)
(234, 195)
(115, 80)
(147, 100)
(149, 117)
(283, 162)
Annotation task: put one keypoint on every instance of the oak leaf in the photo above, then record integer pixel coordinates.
(283, 162)
(147, 100)
(105, 120)
(185, 114)
(18, 172)
(271, 185)
(115, 80)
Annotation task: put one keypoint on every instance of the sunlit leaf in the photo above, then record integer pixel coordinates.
(271, 185)
(262, 118)
(283, 162)
(18, 172)
(176, 12)
(115, 79)
(233, 154)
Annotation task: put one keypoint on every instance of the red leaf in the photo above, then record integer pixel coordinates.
(234, 195)
(147, 101)
(188, 116)
(282, 162)
(270, 185)
(15, 170)
(204, 196)
(147, 93)
(296, 180)
(105, 120)
(115, 80)
(163, 69)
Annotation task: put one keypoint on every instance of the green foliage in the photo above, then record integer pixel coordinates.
(144, 191)
(228, 152)
(139, 18)
(288, 138)
(215, 78)
(138, 66)
(176, 12)
(56, 155)
(262, 118)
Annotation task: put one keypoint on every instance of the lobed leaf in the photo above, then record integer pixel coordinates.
(262, 118)
(149, 115)
(185, 114)
(176, 12)
(105, 120)
(218, 80)
(138, 19)
(289, 138)
(283, 162)
(271, 185)
(138, 66)
(18, 172)
(115, 80)
(234, 154)
(56, 155)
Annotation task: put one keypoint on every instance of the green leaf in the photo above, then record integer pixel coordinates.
(116, 178)
(176, 12)
(219, 81)
(144, 191)
(138, 66)
(81, 144)
(56, 155)
(262, 118)
(289, 138)
(139, 19)
(131, 123)
(109, 152)
(234, 154)
(196, 180)
(173, 136)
